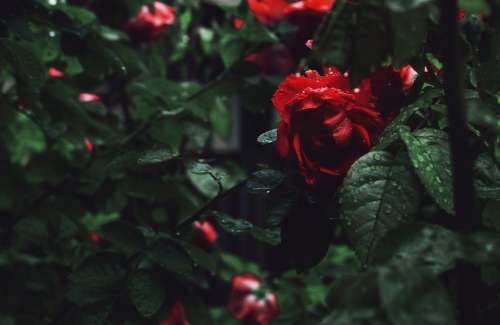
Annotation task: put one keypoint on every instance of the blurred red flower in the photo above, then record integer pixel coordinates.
(238, 22)
(94, 237)
(207, 235)
(273, 59)
(249, 304)
(88, 144)
(89, 97)
(177, 316)
(271, 11)
(327, 125)
(148, 25)
(55, 73)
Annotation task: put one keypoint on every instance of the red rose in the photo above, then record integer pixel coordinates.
(249, 304)
(319, 7)
(177, 316)
(207, 234)
(148, 25)
(273, 59)
(268, 11)
(271, 11)
(327, 125)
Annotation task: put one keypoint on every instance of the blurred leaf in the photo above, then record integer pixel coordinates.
(147, 293)
(429, 248)
(229, 224)
(170, 258)
(157, 156)
(124, 236)
(411, 298)
(264, 181)
(99, 271)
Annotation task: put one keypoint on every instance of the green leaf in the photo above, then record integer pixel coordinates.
(220, 118)
(200, 257)
(411, 22)
(411, 298)
(27, 68)
(378, 194)
(124, 236)
(430, 155)
(430, 248)
(264, 181)
(487, 177)
(98, 271)
(268, 137)
(147, 293)
(231, 51)
(229, 224)
(171, 257)
(157, 156)
(475, 6)
(266, 235)
(404, 5)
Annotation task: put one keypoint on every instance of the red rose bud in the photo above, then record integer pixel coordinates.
(327, 125)
(94, 237)
(238, 22)
(408, 75)
(249, 304)
(177, 316)
(148, 25)
(89, 97)
(207, 235)
(89, 145)
(55, 73)
(273, 59)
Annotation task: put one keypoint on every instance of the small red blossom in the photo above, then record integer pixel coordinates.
(238, 22)
(327, 125)
(207, 233)
(320, 7)
(148, 25)
(309, 44)
(177, 316)
(94, 237)
(273, 59)
(55, 73)
(461, 14)
(88, 145)
(249, 304)
(89, 97)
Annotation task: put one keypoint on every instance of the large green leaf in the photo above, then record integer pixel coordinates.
(102, 270)
(379, 193)
(430, 155)
(487, 177)
(147, 293)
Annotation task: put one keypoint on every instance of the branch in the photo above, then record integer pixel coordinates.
(462, 160)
